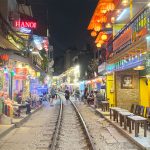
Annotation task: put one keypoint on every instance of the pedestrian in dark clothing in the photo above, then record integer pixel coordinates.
(67, 94)
(85, 95)
(19, 97)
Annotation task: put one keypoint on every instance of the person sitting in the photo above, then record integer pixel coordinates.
(90, 98)
(98, 98)
(77, 94)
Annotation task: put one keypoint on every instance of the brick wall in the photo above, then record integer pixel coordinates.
(126, 97)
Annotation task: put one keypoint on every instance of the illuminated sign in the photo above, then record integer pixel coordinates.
(126, 64)
(25, 30)
(25, 24)
(123, 40)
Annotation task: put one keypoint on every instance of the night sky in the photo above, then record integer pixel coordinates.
(68, 21)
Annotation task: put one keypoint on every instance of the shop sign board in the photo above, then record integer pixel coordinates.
(133, 31)
(25, 24)
(21, 71)
(126, 64)
(102, 67)
(20, 77)
(124, 40)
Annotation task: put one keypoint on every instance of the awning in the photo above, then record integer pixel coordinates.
(5, 44)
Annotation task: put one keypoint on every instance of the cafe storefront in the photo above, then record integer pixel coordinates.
(125, 82)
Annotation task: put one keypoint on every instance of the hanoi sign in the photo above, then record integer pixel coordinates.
(25, 24)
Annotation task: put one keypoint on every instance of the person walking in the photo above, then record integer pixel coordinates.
(67, 94)
(53, 94)
(98, 98)
(85, 95)
(77, 94)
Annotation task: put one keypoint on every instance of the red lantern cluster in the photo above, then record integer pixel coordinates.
(4, 57)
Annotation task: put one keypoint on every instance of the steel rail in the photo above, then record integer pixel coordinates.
(91, 143)
(57, 128)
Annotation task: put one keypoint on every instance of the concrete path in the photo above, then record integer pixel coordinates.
(32, 132)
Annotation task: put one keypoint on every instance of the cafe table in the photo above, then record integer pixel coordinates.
(123, 117)
(135, 121)
(105, 105)
(117, 113)
(114, 111)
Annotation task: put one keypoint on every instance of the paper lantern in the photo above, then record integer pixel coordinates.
(106, 1)
(112, 19)
(110, 6)
(97, 27)
(93, 33)
(97, 18)
(103, 19)
(98, 45)
(101, 42)
(102, 8)
(104, 37)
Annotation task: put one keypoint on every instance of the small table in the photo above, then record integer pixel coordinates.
(123, 117)
(113, 109)
(105, 105)
(136, 121)
(117, 112)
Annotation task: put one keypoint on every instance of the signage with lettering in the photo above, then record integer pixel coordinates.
(126, 64)
(123, 40)
(21, 71)
(25, 24)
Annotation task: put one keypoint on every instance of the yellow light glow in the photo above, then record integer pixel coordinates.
(125, 2)
(139, 68)
(98, 45)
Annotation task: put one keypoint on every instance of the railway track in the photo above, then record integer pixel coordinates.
(71, 131)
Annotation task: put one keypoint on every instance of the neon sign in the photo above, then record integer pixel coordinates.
(126, 64)
(25, 24)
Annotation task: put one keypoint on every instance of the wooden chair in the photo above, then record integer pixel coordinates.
(133, 108)
(147, 115)
(141, 111)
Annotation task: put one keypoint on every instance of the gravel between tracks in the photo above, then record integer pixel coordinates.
(71, 135)
(105, 136)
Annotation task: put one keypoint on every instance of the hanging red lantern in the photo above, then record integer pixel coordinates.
(2, 57)
(101, 42)
(93, 33)
(5, 57)
(98, 27)
(98, 45)
(97, 18)
(103, 19)
(104, 37)
(112, 19)
(103, 8)
(110, 6)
